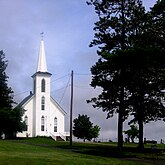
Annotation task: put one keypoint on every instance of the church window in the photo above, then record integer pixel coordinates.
(43, 85)
(42, 123)
(55, 124)
(43, 103)
(26, 123)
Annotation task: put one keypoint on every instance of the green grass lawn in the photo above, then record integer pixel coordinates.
(45, 151)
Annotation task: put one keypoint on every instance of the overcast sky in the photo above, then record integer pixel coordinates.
(68, 30)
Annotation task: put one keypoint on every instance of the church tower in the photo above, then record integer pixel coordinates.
(43, 115)
(41, 90)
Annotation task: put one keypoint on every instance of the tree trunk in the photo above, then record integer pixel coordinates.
(132, 139)
(120, 117)
(120, 131)
(141, 145)
(121, 108)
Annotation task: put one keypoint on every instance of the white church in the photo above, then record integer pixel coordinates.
(43, 115)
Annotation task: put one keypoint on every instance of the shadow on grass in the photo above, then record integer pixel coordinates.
(105, 150)
(99, 150)
(110, 150)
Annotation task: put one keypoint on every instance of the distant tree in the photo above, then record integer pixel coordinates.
(83, 128)
(132, 133)
(10, 119)
(94, 132)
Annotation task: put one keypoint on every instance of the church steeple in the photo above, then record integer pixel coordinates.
(42, 66)
(41, 79)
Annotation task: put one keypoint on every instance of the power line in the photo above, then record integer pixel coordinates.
(59, 78)
(83, 74)
(60, 88)
(71, 108)
(64, 91)
(20, 93)
(76, 74)
(79, 86)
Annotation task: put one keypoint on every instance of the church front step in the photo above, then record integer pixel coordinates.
(58, 138)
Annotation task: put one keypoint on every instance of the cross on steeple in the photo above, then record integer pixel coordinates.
(42, 35)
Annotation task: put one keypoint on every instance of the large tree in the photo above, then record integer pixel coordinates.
(149, 70)
(10, 119)
(147, 79)
(83, 128)
(120, 21)
(6, 93)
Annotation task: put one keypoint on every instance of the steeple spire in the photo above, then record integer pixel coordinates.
(42, 66)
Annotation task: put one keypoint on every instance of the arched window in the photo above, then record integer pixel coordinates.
(55, 124)
(26, 123)
(43, 85)
(43, 103)
(42, 123)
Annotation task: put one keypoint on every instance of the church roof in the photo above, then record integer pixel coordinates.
(25, 100)
(59, 107)
(41, 74)
(42, 66)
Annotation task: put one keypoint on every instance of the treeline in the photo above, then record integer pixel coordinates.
(10, 118)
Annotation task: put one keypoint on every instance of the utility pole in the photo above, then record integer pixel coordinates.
(71, 108)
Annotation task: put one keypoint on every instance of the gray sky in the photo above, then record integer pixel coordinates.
(68, 30)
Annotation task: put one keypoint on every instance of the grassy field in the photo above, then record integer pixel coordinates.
(45, 151)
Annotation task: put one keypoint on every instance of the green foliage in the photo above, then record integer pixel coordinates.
(83, 128)
(132, 133)
(155, 33)
(119, 22)
(94, 132)
(10, 119)
(6, 93)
